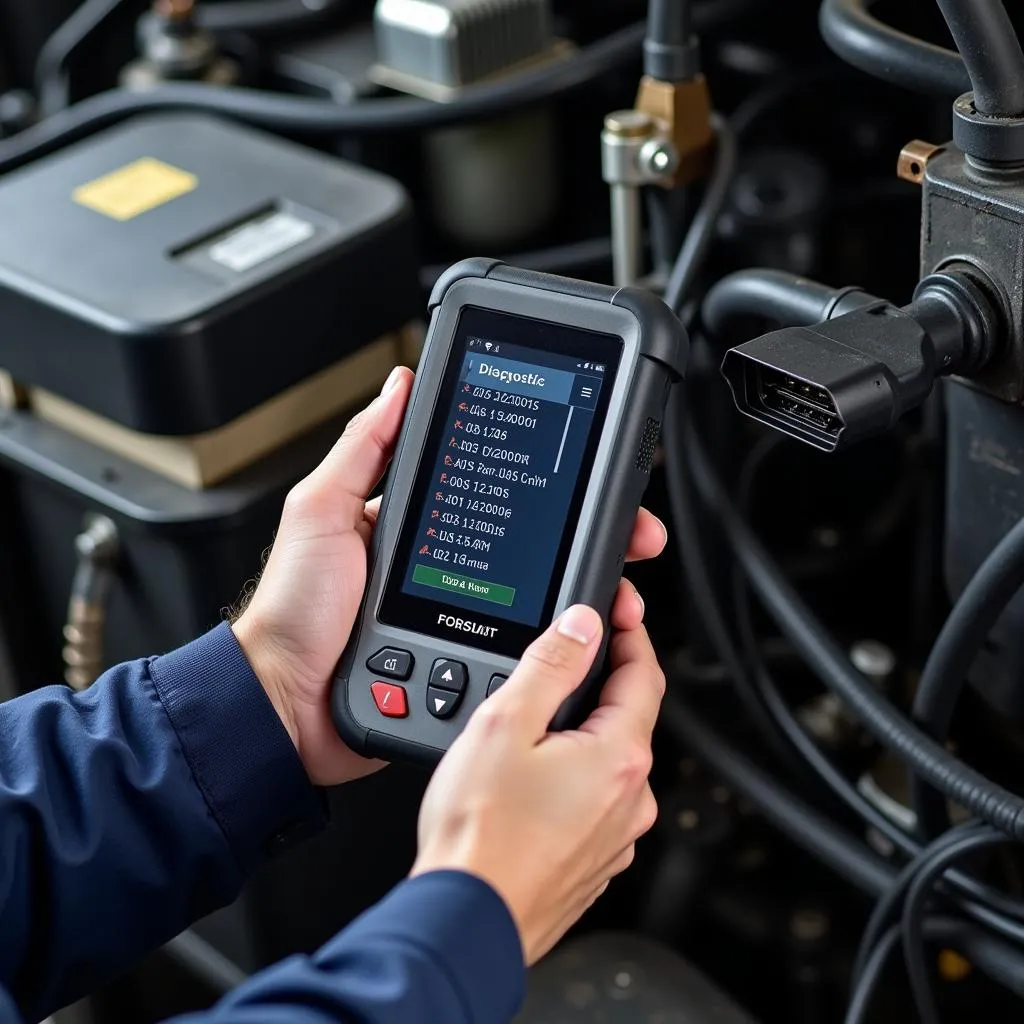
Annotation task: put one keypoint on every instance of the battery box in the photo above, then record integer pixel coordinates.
(177, 271)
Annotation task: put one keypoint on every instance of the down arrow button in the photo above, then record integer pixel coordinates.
(442, 703)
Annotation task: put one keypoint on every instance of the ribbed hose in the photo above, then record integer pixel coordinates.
(972, 619)
(958, 781)
(886, 53)
(991, 52)
(829, 843)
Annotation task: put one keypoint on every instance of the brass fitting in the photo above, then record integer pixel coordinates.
(682, 111)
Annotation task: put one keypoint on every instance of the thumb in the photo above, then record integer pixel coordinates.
(552, 667)
(358, 460)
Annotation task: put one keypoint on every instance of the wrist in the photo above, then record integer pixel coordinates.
(265, 663)
(472, 861)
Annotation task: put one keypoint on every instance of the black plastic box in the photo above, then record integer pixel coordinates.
(176, 271)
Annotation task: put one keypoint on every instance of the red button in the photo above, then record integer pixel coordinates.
(390, 700)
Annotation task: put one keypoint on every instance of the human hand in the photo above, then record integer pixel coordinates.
(547, 819)
(301, 615)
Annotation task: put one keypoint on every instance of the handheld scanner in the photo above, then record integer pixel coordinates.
(519, 471)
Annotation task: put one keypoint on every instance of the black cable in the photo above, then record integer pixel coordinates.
(206, 962)
(991, 52)
(671, 50)
(827, 842)
(812, 831)
(302, 115)
(931, 869)
(51, 78)
(867, 43)
(867, 982)
(694, 569)
(966, 786)
(993, 903)
(887, 910)
(258, 17)
(777, 295)
(701, 234)
(973, 617)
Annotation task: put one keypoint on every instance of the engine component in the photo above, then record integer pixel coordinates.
(494, 184)
(623, 979)
(174, 46)
(141, 269)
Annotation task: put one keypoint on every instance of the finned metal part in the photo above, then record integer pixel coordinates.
(450, 44)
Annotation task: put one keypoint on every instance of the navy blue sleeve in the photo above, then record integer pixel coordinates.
(132, 809)
(441, 949)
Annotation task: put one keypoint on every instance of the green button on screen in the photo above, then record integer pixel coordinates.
(428, 576)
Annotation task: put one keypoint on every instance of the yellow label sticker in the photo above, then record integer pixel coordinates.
(135, 189)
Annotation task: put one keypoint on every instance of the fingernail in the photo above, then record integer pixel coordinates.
(664, 532)
(392, 382)
(580, 623)
(639, 600)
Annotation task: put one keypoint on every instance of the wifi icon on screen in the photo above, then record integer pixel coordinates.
(488, 345)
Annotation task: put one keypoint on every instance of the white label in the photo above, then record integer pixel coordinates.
(256, 243)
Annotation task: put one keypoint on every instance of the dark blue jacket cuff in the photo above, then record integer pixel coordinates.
(466, 929)
(239, 752)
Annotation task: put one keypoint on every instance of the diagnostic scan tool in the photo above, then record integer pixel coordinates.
(522, 462)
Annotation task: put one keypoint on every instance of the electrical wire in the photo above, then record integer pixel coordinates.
(695, 572)
(931, 868)
(852, 32)
(827, 842)
(867, 982)
(887, 910)
(701, 233)
(968, 787)
(999, 911)
(305, 116)
(991, 52)
(961, 639)
(51, 76)
(260, 17)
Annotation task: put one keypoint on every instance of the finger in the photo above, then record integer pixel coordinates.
(628, 609)
(549, 671)
(649, 537)
(372, 511)
(631, 699)
(366, 525)
(360, 457)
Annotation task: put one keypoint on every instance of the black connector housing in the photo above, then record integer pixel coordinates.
(835, 383)
(846, 379)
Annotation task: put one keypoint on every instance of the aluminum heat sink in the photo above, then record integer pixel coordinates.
(436, 47)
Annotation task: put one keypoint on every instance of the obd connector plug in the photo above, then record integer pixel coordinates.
(846, 379)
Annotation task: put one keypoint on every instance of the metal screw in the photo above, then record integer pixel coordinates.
(629, 124)
(659, 158)
(873, 659)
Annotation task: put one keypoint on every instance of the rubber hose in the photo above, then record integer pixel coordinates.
(836, 848)
(973, 617)
(963, 784)
(305, 116)
(867, 43)
(261, 16)
(914, 909)
(775, 295)
(705, 221)
(991, 52)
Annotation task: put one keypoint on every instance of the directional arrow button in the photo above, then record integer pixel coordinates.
(449, 675)
(442, 703)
